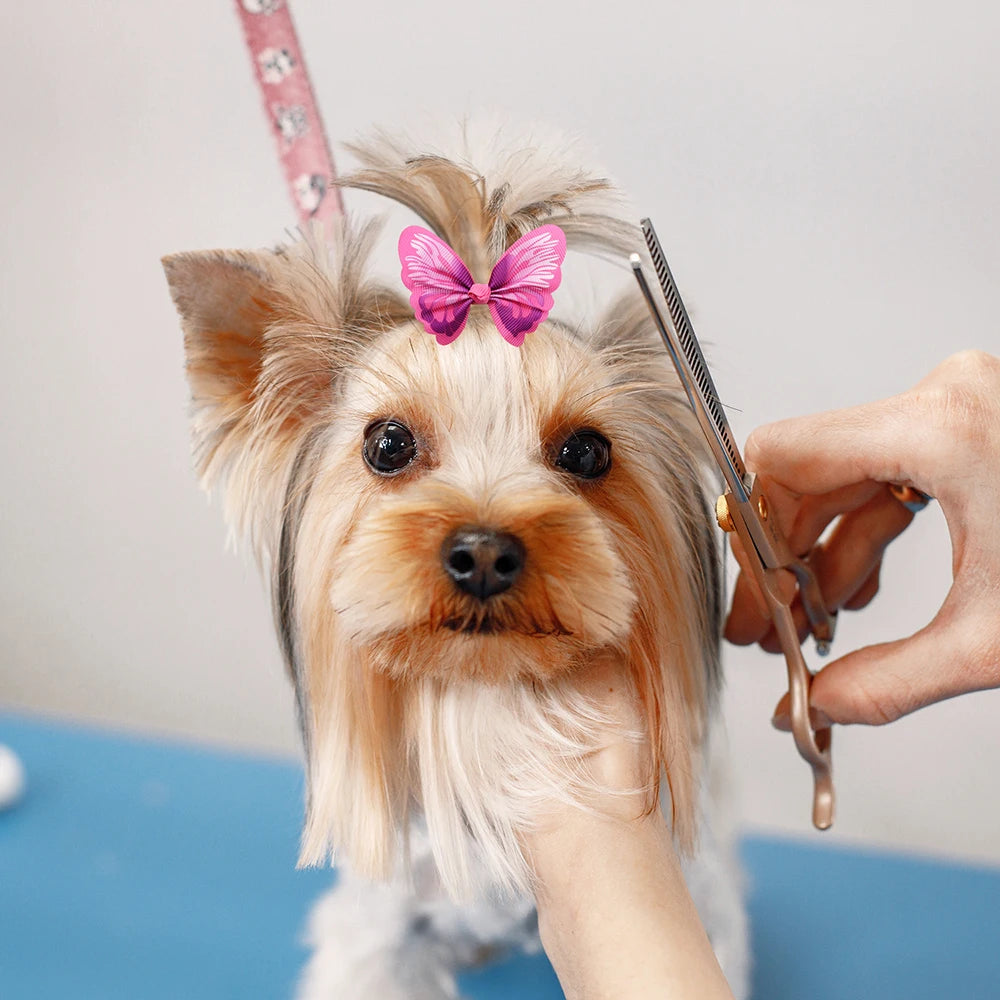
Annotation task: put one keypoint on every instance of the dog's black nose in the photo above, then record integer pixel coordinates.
(482, 562)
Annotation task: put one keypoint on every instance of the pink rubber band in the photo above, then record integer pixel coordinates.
(290, 107)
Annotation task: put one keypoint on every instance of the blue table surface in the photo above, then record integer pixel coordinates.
(144, 870)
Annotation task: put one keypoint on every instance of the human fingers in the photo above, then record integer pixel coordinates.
(865, 594)
(870, 517)
(844, 562)
(749, 617)
(848, 562)
(862, 597)
(955, 654)
(931, 436)
(803, 519)
(824, 452)
(782, 720)
(941, 437)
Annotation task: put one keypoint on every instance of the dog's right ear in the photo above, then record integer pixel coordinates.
(266, 335)
(227, 301)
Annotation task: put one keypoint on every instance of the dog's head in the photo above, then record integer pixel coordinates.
(452, 530)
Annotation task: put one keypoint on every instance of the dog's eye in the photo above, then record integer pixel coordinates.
(389, 447)
(585, 454)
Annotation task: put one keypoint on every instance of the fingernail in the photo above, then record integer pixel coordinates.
(782, 721)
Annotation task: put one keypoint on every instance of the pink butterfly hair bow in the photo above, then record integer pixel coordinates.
(519, 292)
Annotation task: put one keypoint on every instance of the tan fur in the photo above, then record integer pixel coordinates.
(413, 695)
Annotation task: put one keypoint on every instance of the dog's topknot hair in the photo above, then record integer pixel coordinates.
(482, 196)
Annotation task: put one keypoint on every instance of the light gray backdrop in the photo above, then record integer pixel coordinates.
(824, 177)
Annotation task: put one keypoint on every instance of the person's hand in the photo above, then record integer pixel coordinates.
(614, 913)
(942, 437)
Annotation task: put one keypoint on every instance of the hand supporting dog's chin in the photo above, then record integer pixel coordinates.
(620, 760)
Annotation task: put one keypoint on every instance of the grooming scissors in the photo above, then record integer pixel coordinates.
(743, 508)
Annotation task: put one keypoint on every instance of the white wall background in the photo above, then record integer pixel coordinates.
(824, 177)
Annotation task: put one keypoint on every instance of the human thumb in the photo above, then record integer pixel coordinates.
(881, 683)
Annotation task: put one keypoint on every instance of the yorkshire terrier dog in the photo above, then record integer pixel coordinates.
(454, 527)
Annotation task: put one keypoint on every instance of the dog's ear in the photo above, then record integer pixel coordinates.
(266, 336)
(227, 301)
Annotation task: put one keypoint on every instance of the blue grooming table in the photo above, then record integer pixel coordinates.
(143, 870)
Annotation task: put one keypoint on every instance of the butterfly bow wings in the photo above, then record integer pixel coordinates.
(518, 295)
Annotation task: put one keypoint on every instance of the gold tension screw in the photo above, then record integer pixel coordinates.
(722, 514)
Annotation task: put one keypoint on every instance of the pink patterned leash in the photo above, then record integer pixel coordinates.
(290, 107)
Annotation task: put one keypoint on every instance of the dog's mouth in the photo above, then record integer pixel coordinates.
(473, 626)
(490, 625)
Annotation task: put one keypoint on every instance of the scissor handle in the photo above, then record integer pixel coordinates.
(774, 582)
(821, 622)
(813, 745)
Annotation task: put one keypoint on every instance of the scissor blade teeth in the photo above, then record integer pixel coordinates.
(698, 375)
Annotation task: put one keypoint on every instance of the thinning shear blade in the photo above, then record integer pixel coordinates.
(743, 508)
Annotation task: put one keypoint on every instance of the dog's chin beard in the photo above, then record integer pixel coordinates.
(490, 646)
(498, 620)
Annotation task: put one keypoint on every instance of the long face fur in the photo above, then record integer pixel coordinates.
(415, 694)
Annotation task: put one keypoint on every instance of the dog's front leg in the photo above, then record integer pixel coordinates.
(406, 941)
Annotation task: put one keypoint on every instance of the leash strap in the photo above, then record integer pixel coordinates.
(290, 107)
